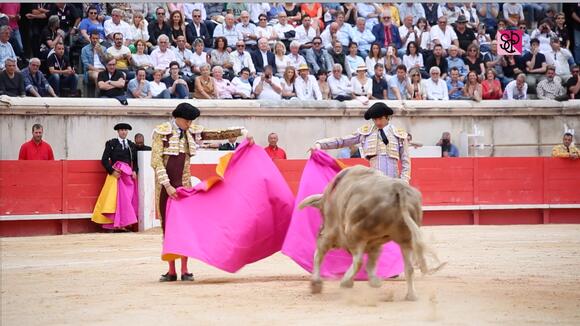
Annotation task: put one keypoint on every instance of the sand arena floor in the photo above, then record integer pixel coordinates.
(508, 275)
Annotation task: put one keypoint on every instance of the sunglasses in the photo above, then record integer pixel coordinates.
(92, 13)
(316, 43)
(263, 19)
(241, 46)
(160, 14)
(196, 16)
(386, 18)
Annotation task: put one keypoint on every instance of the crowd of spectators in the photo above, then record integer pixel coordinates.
(313, 51)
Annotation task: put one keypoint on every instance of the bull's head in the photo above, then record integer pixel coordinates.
(312, 201)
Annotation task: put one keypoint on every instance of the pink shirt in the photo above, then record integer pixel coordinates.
(11, 9)
(224, 88)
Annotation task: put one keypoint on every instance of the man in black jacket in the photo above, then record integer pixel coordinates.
(120, 149)
(262, 53)
(197, 29)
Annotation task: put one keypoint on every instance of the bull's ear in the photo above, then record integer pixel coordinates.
(313, 200)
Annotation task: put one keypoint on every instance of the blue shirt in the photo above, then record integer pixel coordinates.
(458, 63)
(459, 93)
(90, 27)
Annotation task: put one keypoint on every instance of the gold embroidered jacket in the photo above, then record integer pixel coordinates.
(562, 151)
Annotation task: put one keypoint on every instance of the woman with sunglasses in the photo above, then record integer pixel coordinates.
(473, 60)
(263, 30)
(416, 87)
(90, 24)
(362, 86)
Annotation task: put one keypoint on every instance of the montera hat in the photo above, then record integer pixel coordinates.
(121, 126)
(186, 111)
(378, 110)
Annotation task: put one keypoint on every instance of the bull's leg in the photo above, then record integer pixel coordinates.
(321, 250)
(373, 255)
(357, 255)
(409, 271)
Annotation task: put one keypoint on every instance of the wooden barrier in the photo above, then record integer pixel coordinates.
(40, 197)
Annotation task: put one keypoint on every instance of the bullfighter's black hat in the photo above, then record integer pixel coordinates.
(378, 110)
(186, 111)
(123, 125)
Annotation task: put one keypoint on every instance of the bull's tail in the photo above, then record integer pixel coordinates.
(420, 248)
(312, 200)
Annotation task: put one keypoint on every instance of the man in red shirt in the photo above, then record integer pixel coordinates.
(36, 149)
(272, 149)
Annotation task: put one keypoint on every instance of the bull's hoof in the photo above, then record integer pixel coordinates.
(347, 284)
(315, 286)
(411, 297)
(375, 282)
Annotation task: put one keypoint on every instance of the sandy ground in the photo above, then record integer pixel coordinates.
(509, 275)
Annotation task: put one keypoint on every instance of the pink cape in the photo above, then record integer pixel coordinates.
(238, 220)
(300, 242)
(127, 198)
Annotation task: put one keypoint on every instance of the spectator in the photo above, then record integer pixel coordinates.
(338, 57)
(228, 30)
(176, 85)
(247, 30)
(413, 58)
(11, 80)
(142, 60)
(454, 61)
(380, 84)
(344, 30)
(386, 33)
(198, 57)
(273, 150)
(431, 10)
(424, 40)
(138, 29)
(513, 13)
(436, 88)
(525, 38)
(242, 84)
(162, 56)
(363, 36)
(535, 64)
(287, 83)
(416, 86)
(263, 57)
(116, 25)
(392, 60)
(544, 34)
(6, 50)
(294, 57)
(450, 12)
(51, 35)
(470, 13)
(576, 18)
(92, 56)
(443, 34)
(159, 27)
(264, 30)
(491, 87)
(204, 84)
(235, 9)
(516, 89)
(293, 12)
(306, 85)
(492, 60)
(12, 14)
(267, 86)
(241, 58)
(398, 84)
(473, 90)
(483, 38)
(157, 86)
(122, 55)
(68, 16)
(473, 60)
(352, 59)
(573, 84)
(488, 13)
(322, 77)
(111, 82)
(362, 86)
(465, 36)
(408, 33)
(177, 24)
(35, 82)
(36, 148)
(437, 60)
(317, 57)
(561, 30)
(455, 85)
(330, 10)
(257, 9)
(90, 24)
(329, 35)
(411, 143)
(138, 87)
(340, 86)
(314, 12)
(551, 88)
(413, 10)
(140, 143)
(305, 33)
(447, 148)
(231, 145)
(375, 57)
(390, 8)
(62, 75)
(197, 29)
(221, 57)
(566, 149)
(224, 88)
(559, 57)
(185, 58)
(280, 59)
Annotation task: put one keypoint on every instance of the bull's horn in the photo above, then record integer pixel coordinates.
(312, 200)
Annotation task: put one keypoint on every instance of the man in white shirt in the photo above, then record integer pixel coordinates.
(558, 57)
(306, 85)
(294, 58)
(343, 34)
(414, 10)
(122, 54)
(435, 86)
(305, 32)
(267, 86)
(247, 30)
(339, 84)
(516, 89)
(228, 30)
(283, 29)
(363, 36)
(183, 56)
(162, 56)
(256, 9)
(407, 32)
(443, 34)
(241, 58)
(329, 35)
(369, 12)
(117, 25)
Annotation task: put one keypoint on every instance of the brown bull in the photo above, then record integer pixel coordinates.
(362, 210)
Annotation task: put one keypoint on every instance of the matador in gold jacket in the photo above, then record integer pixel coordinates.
(566, 149)
(174, 143)
(382, 144)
